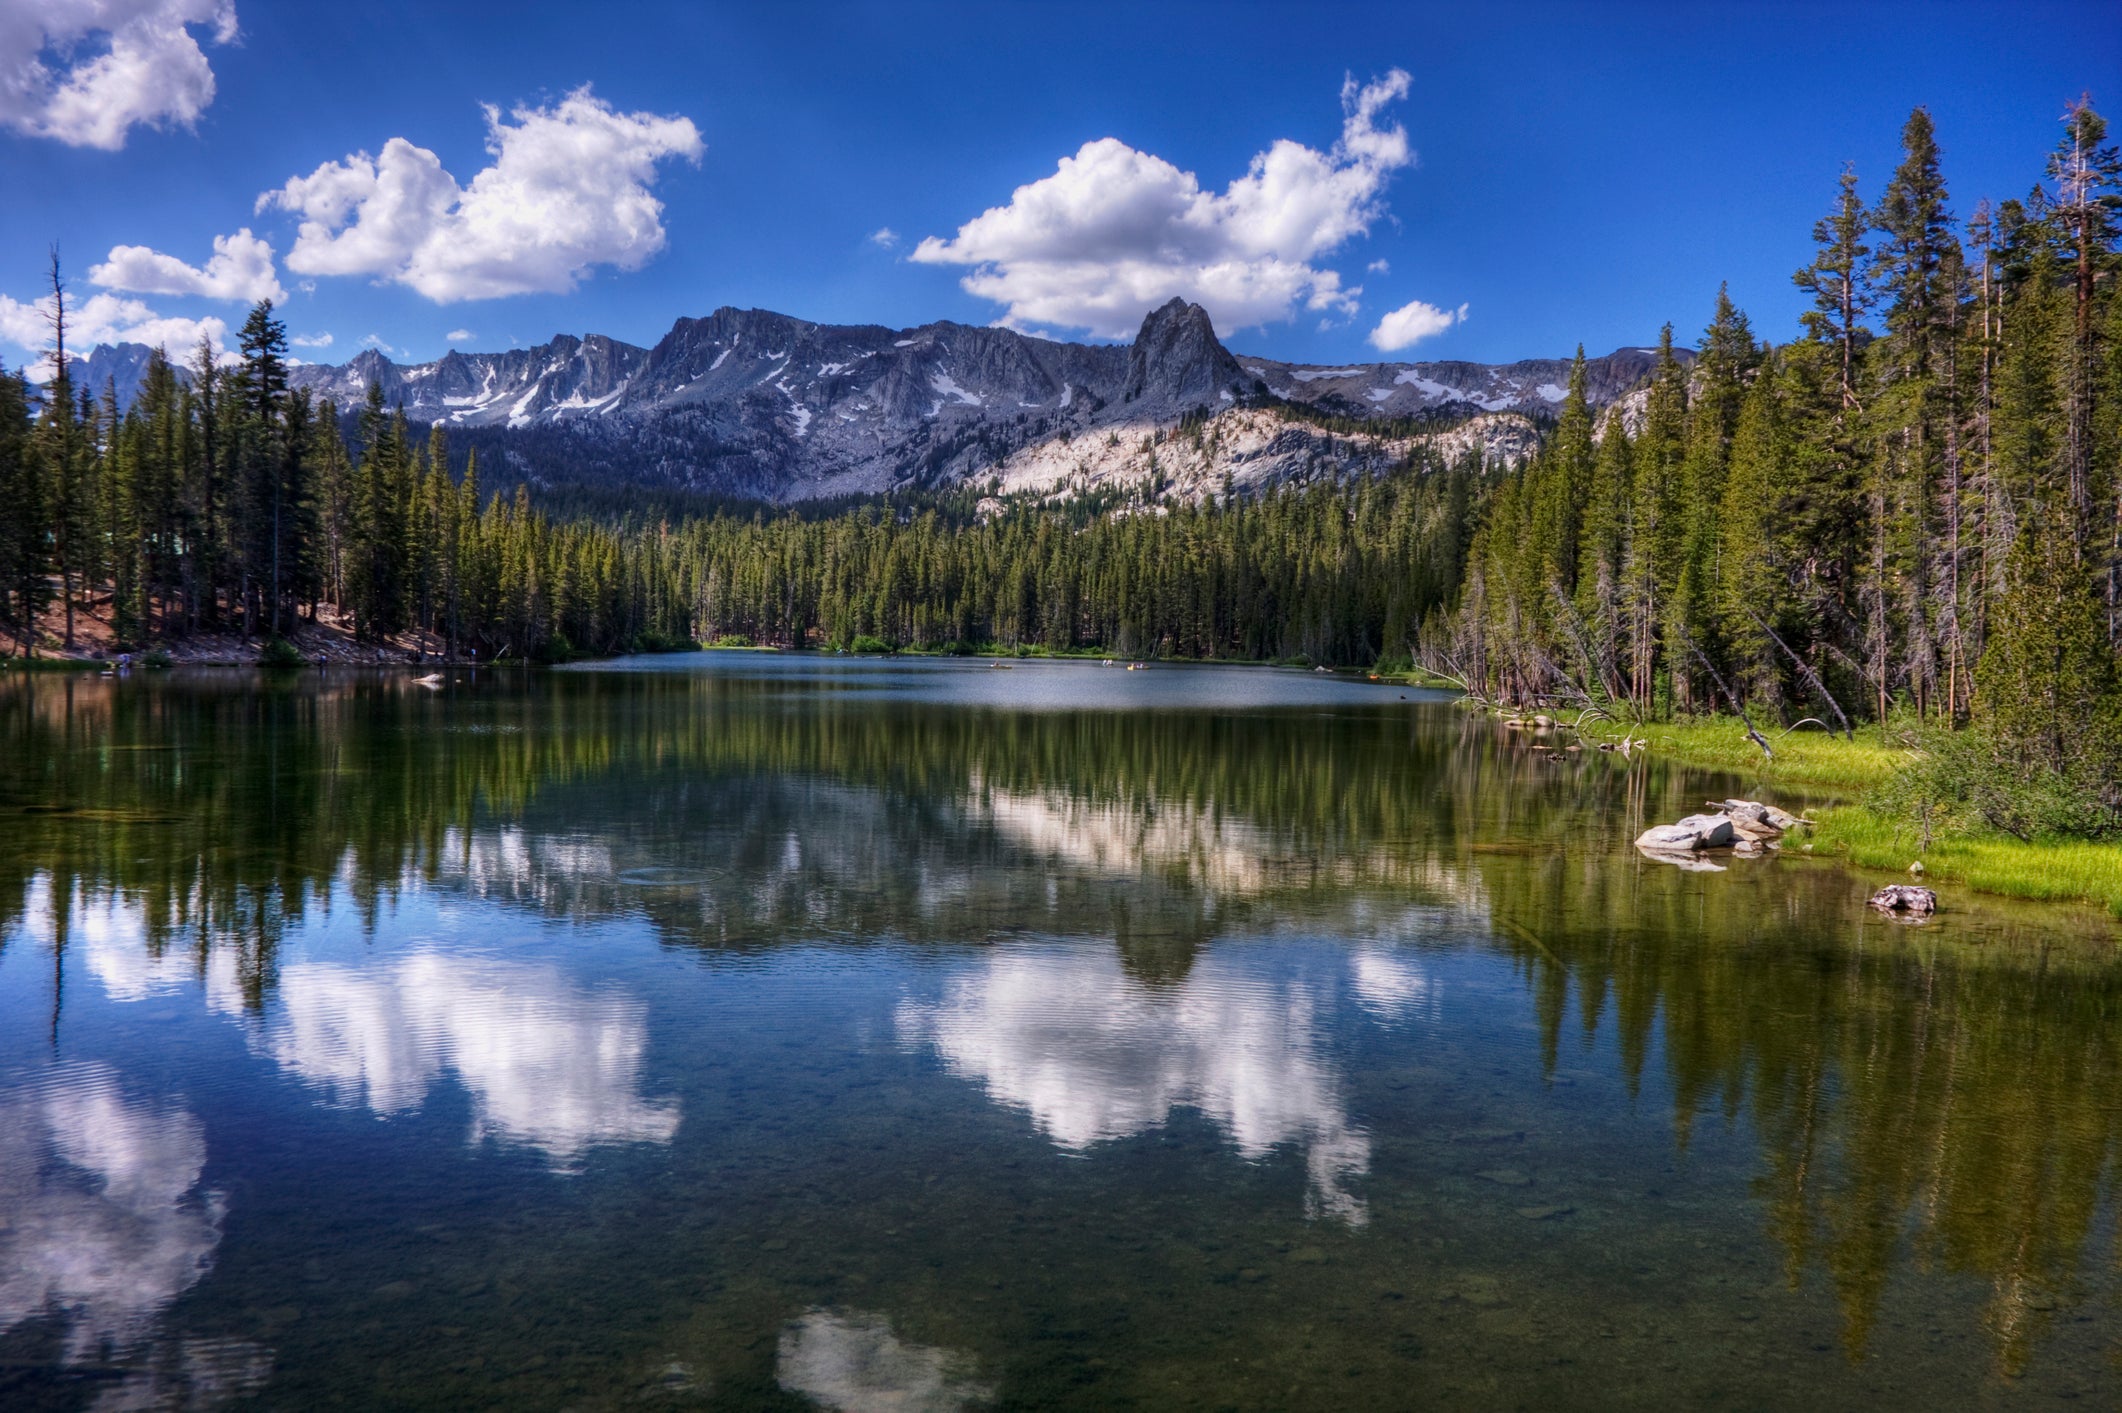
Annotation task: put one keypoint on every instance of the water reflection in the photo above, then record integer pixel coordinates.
(1093, 1054)
(1391, 987)
(112, 934)
(1203, 847)
(190, 1374)
(1921, 1106)
(547, 1064)
(103, 1218)
(1943, 1100)
(850, 1360)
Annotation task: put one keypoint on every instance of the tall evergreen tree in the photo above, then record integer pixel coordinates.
(24, 547)
(1835, 280)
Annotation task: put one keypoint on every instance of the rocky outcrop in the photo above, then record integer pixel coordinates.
(1743, 826)
(1254, 448)
(1176, 361)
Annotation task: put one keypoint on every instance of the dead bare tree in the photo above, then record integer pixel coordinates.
(1717, 677)
(1806, 669)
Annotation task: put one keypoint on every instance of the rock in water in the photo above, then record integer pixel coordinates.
(1712, 831)
(1667, 839)
(1905, 898)
(1697, 831)
(1781, 820)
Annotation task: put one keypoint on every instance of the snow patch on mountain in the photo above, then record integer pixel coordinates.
(948, 386)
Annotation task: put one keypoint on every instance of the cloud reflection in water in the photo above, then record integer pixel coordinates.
(1093, 1054)
(548, 1064)
(106, 1218)
(851, 1360)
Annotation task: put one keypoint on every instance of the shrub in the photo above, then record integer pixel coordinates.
(868, 643)
(1964, 781)
(279, 652)
(650, 640)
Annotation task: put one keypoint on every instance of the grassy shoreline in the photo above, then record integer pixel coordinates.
(2048, 870)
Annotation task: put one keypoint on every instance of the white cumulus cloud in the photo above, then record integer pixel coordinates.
(568, 190)
(103, 318)
(459, 335)
(1115, 232)
(1413, 322)
(311, 340)
(884, 236)
(241, 269)
(86, 72)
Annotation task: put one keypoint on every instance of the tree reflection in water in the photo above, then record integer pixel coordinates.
(1923, 1099)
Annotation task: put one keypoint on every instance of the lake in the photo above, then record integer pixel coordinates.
(761, 1031)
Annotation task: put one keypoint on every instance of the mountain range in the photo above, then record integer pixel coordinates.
(749, 403)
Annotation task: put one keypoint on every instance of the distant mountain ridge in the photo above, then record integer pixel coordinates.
(758, 404)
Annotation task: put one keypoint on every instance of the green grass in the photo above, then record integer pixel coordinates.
(2052, 870)
(2056, 870)
(12, 663)
(1807, 757)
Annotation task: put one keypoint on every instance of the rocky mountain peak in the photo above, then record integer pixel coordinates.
(1177, 360)
(749, 402)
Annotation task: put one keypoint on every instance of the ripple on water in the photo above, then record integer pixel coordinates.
(662, 877)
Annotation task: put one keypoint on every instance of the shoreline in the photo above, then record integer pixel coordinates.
(2073, 871)
(1840, 774)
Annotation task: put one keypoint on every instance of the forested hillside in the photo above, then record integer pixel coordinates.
(226, 503)
(1914, 506)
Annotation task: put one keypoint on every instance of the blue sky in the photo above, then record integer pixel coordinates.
(1567, 172)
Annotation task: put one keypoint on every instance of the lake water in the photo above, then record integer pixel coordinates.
(770, 1032)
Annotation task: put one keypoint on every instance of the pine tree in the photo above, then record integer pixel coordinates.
(274, 439)
(1565, 482)
(1835, 279)
(1913, 270)
(1751, 586)
(2087, 172)
(24, 549)
(1601, 558)
(2047, 683)
(1657, 535)
(1725, 359)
